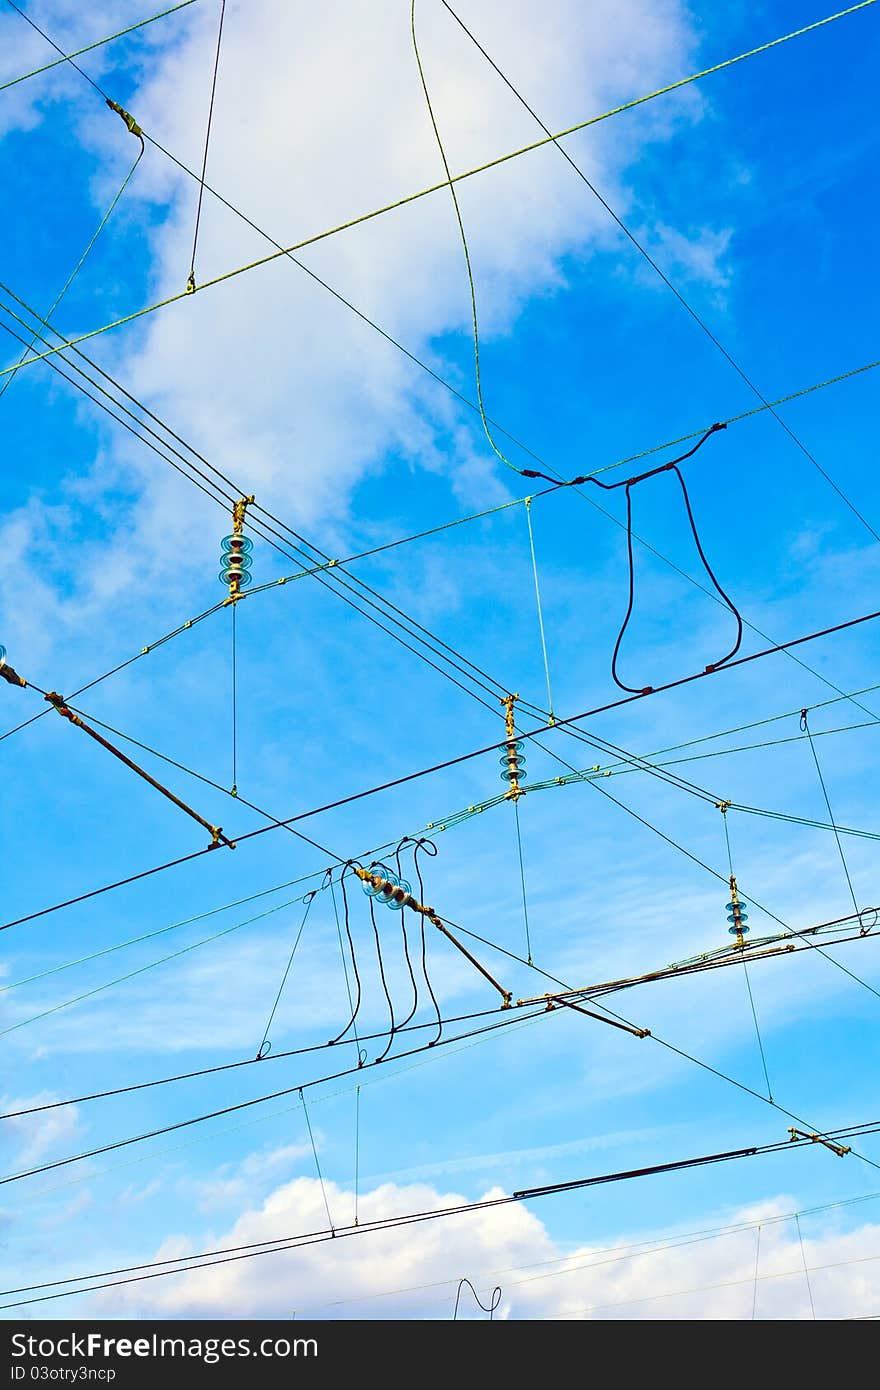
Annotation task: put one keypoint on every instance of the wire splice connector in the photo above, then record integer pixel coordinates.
(235, 557)
(128, 118)
(380, 883)
(512, 759)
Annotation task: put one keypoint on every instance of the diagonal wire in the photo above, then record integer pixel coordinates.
(797, 1222)
(643, 251)
(309, 899)
(744, 964)
(191, 282)
(522, 878)
(805, 726)
(540, 609)
(29, 347)
(317, 1164)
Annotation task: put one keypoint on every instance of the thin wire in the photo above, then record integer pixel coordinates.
(755, 1289)
(317, 1164)
(702, 324)
(522, 878)
(79, 265)
(192, 265)
(455, 178)
(494, 1300)
(310, 898)
(234, 707)
(447, 763)
(233, 1254)
(357, 1040)
(89, 47)
(797, 1222)
(357, 1149)
(540, 610)
(805, 726)
(745, 966)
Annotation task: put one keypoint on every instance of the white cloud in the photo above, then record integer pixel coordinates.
(703, 1276)
(270, 377)
(38, 1135)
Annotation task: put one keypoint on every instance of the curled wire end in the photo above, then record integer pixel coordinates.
(804, 721)
(863, 927)
(265, 1049)
(362, 1056)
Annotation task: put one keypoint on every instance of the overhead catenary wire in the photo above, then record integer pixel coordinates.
(591, 993)
(111, 208)
(682, 299)
(410, 198)
(191, 282)
(89, 47)
(805, 729)
(456, 761)
(330, 564)
(424, 365)
(230, 1254)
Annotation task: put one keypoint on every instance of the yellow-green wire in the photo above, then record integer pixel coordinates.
(436, 187)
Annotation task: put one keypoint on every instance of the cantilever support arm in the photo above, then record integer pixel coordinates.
(57, 701)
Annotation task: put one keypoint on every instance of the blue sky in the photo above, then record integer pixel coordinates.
(754, 190)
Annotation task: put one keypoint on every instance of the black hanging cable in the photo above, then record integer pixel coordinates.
(628, 484)
(697, 318)
(805, 729)
(191, 281)
(265, 1045)
(409, 966)
(428, 847)
(357, 978)
(362, 1056)
(489, 1307)
(393, 1028)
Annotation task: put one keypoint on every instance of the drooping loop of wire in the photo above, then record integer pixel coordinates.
(486, 1307)
(357, 1003)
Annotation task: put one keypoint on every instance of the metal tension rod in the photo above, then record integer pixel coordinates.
(840, 1149)
(57, 701)
(393, 893)
(555, 999)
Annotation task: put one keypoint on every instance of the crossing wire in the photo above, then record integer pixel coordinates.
(191, 282)
(441, 380)
(274, 1245)
(79, 265)
(410, 198)
(88, 48)
(329, 564)
(724, 810)
(456, 761)
(683, 301)
(805, 727)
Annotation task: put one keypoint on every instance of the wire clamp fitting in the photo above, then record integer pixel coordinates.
(127, 117)
(512, 761)
(840, 1149)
